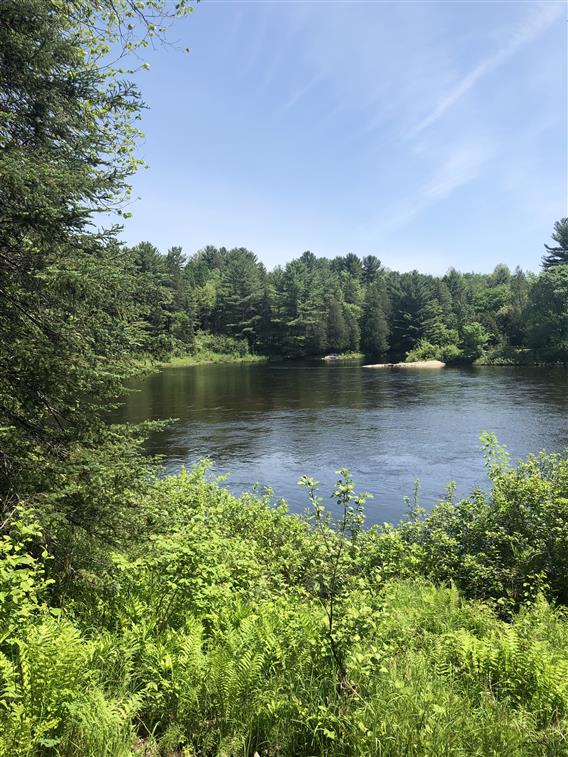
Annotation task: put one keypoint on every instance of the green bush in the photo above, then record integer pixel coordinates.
(230, 626)
(220, 344)
(507, 544)
(424, 350)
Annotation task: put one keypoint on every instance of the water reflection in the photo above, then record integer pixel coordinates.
(273, 423)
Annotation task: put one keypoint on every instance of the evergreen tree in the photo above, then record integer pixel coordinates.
(240, 293)
(460, 297)
(181, 311)
(411, 292)
(558, 254)
(352, 315)
(548, 314)
(154, 299)
(62, 331)
(374, 323)
(514, 318)
(68, 306)
(337, 332)
(371, 267)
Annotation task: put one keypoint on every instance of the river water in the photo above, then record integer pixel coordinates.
(271, 423)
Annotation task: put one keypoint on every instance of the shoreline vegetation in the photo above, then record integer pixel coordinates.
(520, 358)
(517, 357)
(342, 307)
(207, 349)
(223, 625)
(344, 356)
(415, 364)
(208, 358)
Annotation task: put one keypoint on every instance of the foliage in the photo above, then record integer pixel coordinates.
(340, 541)
(375, 327)
(153, 615)
(548, 314)
(346, 356)
(69, 311)
(221, 344)
(232, 627)
(558, 254)
(424, 350)
(506, 545)
(22, 575)
(474, 339)
(314, 306)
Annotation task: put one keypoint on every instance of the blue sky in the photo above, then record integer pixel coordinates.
(430, 134)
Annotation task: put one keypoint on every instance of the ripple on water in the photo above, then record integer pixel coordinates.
(274, 423)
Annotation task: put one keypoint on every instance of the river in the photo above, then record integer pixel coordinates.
(271, 423)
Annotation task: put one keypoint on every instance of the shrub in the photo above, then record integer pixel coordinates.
(232, 627)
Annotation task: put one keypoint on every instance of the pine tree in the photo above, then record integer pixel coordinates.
(411, 293)
(548, 314)
(67, 294)
(241, 289)
(374, 323)
(557, 255)
(371, 267)
(337, 332)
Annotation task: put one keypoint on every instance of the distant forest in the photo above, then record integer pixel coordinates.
(316, 305)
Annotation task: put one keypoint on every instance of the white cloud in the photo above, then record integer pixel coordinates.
(301, 92)
(541, 17)
(463, 165)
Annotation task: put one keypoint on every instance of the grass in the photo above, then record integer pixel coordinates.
(207, 348)
(205, 357)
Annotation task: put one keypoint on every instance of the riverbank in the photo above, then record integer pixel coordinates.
(343, 356)
(516, 356)
(413, 364)
(204, 358)
(207, 348)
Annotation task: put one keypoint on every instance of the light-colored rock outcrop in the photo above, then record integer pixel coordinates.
(416, 364)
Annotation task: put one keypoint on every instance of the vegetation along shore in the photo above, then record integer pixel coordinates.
(315, 306)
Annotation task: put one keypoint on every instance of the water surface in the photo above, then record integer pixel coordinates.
(272, 423)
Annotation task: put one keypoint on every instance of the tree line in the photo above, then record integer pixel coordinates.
(316, 305)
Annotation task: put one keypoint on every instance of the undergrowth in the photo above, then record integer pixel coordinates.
(231, 627)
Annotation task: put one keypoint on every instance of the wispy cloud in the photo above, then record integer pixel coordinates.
(541, 17)
(301, 92)
(463, 165)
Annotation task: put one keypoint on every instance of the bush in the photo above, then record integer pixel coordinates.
(508, 544)
(231, 627)
(206, 342)
(424, 350)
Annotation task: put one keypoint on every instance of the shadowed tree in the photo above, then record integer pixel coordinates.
(68, 310)
(548, 314)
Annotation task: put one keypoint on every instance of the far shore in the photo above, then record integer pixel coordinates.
(204, 358)
(415, 364)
